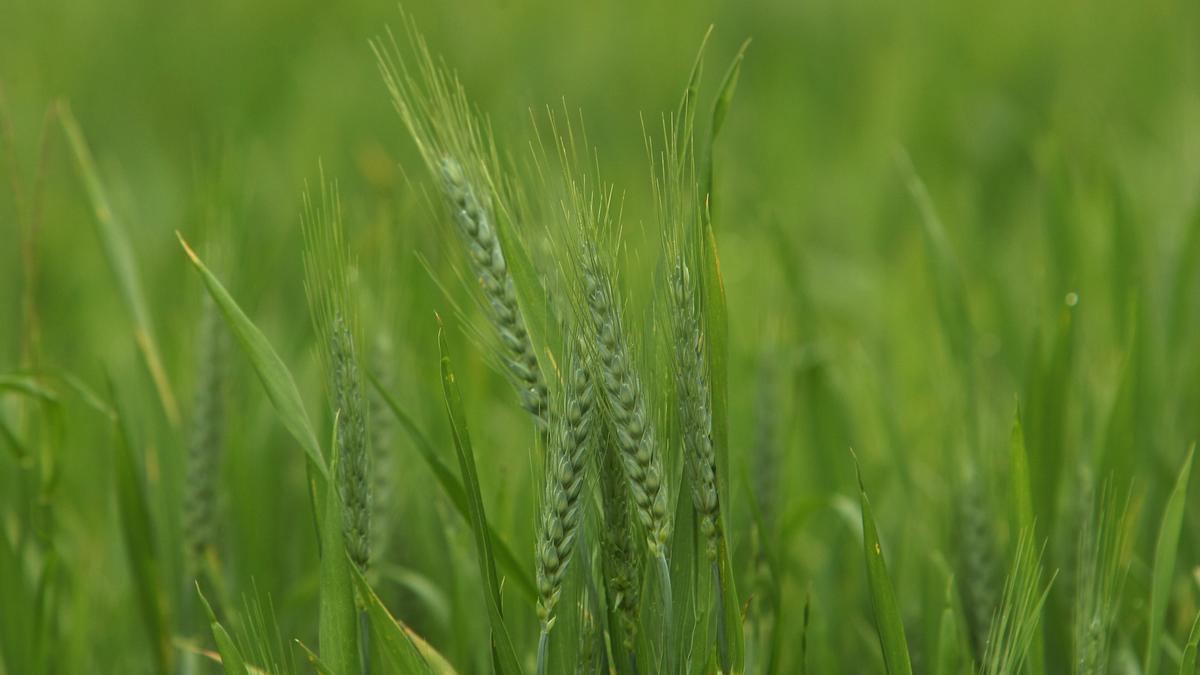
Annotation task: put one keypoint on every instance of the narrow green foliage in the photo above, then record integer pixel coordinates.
(947, 277)
(1048, 395)
(888, 621)
(458, 153)
(400, 649)
(719, 112)
(261, 641)
(948, 656)
(504, 655)
(314, 660)
(119, 253)
(1165, 550)
(231, 657)
(1022, 504)
(716, 330)
(138, 530)
(563, 481)
(335, 320)
(276, 380)
(1017, 616)
(1187, 664)
(1022, 497)
(338, 619)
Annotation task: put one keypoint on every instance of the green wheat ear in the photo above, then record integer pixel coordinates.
(563, 482)
(458, 152)
(676, 193)
(335, 321)
(1020, 610)
(1103, 563)
(977, 559)
(622, 558)
(207, 438)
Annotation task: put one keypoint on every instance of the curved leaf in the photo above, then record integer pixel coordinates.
(505, 656)
(1165, 551)
(276, 380)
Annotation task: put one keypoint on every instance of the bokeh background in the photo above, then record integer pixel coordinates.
(1059, 141)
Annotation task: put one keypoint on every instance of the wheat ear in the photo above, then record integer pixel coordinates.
(695, 407)
(622, 560)
(458, 152)
(207, 436)
(562, 504)
(326, 268)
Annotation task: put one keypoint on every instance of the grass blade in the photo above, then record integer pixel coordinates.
(505, 656)
(231, 657)
(119, 254)
(401, 649)
(454, 490)
(720, 112)
(276, 380)
(1187, 665)
(1022, 501)
(947, 651)
(138, 530)
(888, 621)
(1165, 551)
(315, 661)
(338, 634)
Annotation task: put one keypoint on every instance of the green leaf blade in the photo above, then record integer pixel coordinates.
(272, 373)
(338, 630)
(888, 621)
(138, 531)
(401, 650)
(1165, 550)
(231, 657)
(504, 655)
(119, 254)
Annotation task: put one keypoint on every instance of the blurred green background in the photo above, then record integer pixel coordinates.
(1060, 143)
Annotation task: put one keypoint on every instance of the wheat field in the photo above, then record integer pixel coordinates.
(532, 337)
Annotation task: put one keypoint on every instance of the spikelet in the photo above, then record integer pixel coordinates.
(207, 437)
(1017, 615)
(457, 151)
(626, 402)
(622, 560)
(977, 560)
(562, 504)
(1104, 549)
(695, 406)
(326, 271)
